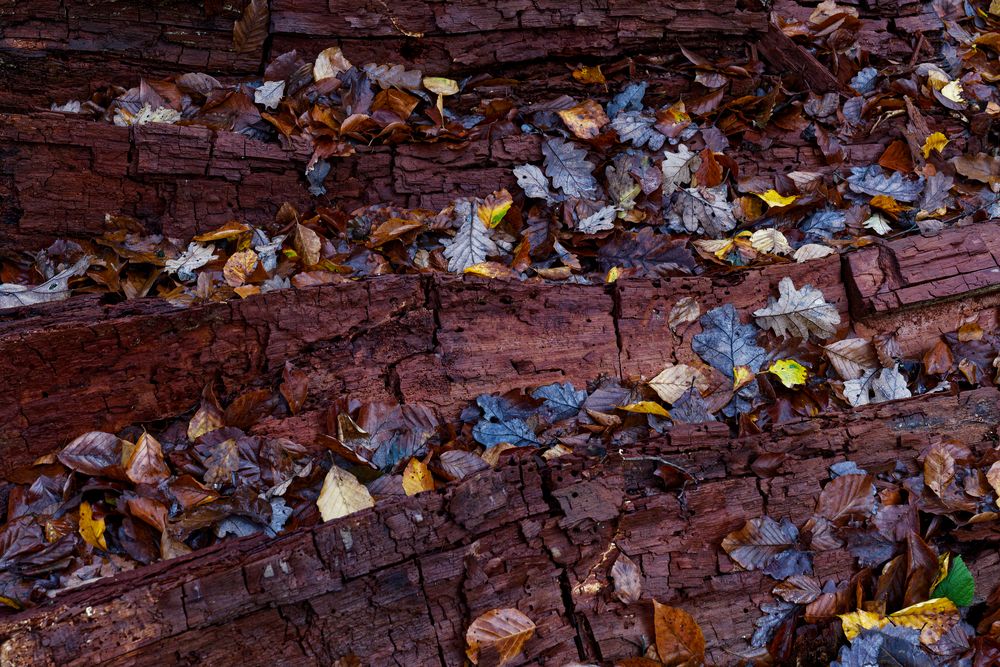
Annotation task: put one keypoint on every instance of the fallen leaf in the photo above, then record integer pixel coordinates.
(294, 387)
(847, 497)
(645, 408)
(329, 63)
(932, 618)
(856, 621)
(342, 494)
(671, 383)
(878, 224)
(678, 168)
(774, 199)
(585, 120)
(799, 312)
(790, 372)
(251, 29)
(307, 244)
(939, 469)
(935, 142)
(679, 639)
(472, 244)
(628, 579)
(144, 464)
(493, 209)
(92, 528)
(417, 477)
(207, 418)
(222, 463)
(96, 453)
(770, 240)
(504, 630)
(756, 544)
(566, 165)
(812, 251)
(494, 270)
(852, 357)
(55, 288)
(958, 584)
(702, 211)
(686, 310)
(239, 267)
(591, 75)
(742, 376)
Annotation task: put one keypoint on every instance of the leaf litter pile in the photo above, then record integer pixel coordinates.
(631, 181)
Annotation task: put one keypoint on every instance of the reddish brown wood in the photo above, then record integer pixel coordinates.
(399, 584)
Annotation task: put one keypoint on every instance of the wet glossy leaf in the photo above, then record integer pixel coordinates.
(846, 497)
(958, 586)
(96, 454)
(790, 372)
(144, 462)
(584, 120)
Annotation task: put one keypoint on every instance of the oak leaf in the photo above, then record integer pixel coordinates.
(799, 312)
(472, 243)
(566, 165)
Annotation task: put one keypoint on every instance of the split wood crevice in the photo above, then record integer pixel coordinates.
(399, 584)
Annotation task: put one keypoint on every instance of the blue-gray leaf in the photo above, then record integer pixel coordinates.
(513, 431)
(562, 401)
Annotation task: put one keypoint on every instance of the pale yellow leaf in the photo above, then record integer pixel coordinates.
(770, 240)
(417, 477)
(671, 383)
(342, 494)
(645, 408)
(812, 251)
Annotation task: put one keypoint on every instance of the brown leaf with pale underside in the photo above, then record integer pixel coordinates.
(679, 639)
(851, 357)
(503, 630)
(628, 579)
(251, 29)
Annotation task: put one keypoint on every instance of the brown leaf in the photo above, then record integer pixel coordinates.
(239, 267)
(307, 244)
(505, 631)
(251, 29)
(897, 157)
(96, 453)
(939, 469)
(980, 167)
(144, 463)
(222, 463)
(686, 310)
(709, 173)
(758, 541)
(151, 511)
(679, 640)
(294, 387)
(628, 579)
(847, 496)
(799, 588)
(938, 359)
(458, 463)
(248, 408)
(189, 492)
(921, 570)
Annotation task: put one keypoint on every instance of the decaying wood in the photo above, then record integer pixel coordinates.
(398, 584)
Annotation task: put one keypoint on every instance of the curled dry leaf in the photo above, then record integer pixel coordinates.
(628, 579)
(342, 494)
(294, 387)
(679, 639)
(96, 454)
(504, 631)
(208, 416)
(307, 244)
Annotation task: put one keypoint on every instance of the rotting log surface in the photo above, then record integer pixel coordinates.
(398, 584)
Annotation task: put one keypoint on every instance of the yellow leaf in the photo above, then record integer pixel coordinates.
(613, 274)
(489, 270)
(935, 142)
(239, 267)
(589, 75)
(226, 231)
(742, 376)
(441, 85)
(646, 408)
(585, 120)
(676, 379)
(417, 477)
(953, 91)
(888, 204)
(944, 564)
(91, 529)
(247, 290)
(789, 371)
(342, 494)
(933, 618)
(856, 621)
(506, 630)
(775, 199)
(207, 418)
(494, 208)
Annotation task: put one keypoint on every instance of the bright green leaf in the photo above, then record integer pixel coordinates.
(958, 586)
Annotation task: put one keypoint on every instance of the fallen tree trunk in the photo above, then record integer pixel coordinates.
(398, 584)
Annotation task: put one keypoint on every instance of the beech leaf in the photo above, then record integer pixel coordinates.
(852, 357)
(417, 477)
(679, 639)
(757, 543)
(673, 381)
(91, 528)
(678, 168)
(628, 579)
(846, 497)
(342, 494)
(503, 630)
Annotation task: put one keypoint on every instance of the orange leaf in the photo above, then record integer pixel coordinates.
(417, 477)
(504, 631)
(679, 640)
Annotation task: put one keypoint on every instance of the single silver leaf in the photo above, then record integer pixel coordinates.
(601, 221)
(566, 165)
(678, 168)
(472, 244)
(799, 312)
(702, 211)
(534, 183)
